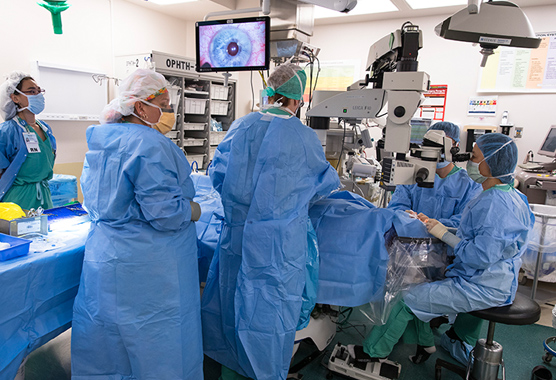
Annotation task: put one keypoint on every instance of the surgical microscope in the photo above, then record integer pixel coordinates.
(395, 81)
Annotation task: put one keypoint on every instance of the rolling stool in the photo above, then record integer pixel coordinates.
(488, 354)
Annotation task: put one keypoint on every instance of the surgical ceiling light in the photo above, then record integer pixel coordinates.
(490, 24)
(362, 7)
(169, 2)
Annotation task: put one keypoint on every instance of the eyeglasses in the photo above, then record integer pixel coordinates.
(34, 91)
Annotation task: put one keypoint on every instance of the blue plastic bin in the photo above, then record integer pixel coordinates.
(63, 189)
(19, 247)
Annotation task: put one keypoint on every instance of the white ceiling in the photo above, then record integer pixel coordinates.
(196, 11)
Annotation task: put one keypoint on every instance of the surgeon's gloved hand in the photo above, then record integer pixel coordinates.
(440, 231)
(195, 211)
(412, 213)
(422, 217)
(436, 228)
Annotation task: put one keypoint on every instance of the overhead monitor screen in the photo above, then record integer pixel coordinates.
(233, 45)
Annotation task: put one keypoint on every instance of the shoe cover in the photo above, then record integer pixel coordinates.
(458, 349)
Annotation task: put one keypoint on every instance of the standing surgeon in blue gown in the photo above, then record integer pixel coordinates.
(268, 169)
(452, 190)
(137, 311)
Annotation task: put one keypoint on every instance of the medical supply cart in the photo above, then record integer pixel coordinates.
(200, 100)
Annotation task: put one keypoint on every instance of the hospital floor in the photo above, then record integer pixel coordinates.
(523, 349)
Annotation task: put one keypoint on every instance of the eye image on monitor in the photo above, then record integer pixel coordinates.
(233, 45)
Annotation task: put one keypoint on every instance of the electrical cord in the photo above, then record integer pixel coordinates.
(343, 324)
(262, 78)
(382, 105)
(312, 92)
(358, 188)
(348, 310)
(252, 93)
(342, 150)
(352, 326)
(312, 88)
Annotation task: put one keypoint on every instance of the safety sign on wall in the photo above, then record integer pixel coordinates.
(434, 104)
(482, 106)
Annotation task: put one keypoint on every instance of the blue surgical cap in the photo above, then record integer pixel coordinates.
(450, 129)
(501, 161)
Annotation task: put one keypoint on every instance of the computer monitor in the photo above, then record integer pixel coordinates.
(418, 129)
(548, 147)
(233, 45)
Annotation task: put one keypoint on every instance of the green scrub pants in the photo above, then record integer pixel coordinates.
(228, 374)
(381, 341)
(468, 328)
(402, 322)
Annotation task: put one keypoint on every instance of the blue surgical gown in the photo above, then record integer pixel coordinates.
(494, 232)
(137, 311)
(210, 222)
(444, 202)
(267, 170)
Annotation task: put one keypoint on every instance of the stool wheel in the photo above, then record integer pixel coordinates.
(549, 351)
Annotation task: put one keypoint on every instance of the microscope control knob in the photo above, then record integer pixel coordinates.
(399, 111)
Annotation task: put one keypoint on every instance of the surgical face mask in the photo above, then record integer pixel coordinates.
(36, 103)
(473, 172)
(443, 164)
(294, 113)
(145, 121)
(166, 122)
(277, 103)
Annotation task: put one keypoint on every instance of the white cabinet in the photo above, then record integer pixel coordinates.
(197, 98)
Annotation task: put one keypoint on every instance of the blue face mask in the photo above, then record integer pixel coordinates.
(36, 103)
(473, 172)
(442, 165)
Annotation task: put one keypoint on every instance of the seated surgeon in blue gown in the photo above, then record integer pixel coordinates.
(452, 189)
(445, 202)
(490, 240)
(268, 170)
(137, 311)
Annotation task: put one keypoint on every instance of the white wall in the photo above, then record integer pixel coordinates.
(94, 32)
(91, 40)
(455, 64)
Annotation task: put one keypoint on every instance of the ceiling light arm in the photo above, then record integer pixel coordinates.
(264, 8)
(343, 6)
(474, 6)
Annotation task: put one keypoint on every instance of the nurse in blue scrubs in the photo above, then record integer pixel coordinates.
(27, 145)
